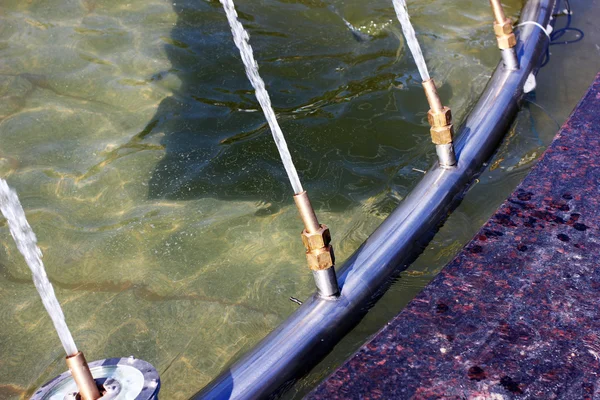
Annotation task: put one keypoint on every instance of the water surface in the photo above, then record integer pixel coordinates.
(150, 178)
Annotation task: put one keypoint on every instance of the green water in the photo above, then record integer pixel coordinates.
(149, 175)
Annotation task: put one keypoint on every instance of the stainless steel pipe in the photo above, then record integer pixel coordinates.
(310, 333)
(326, 282)
(446, 155)
(509, 58)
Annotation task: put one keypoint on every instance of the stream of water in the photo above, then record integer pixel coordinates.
(146, 167)
(411, 38)
(241, 38)
(27, 244)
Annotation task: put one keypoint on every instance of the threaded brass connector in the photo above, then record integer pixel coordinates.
(504, 34)
(316, 237)
(439, 117)
(319, 253)
(442, 130)
(320, 259)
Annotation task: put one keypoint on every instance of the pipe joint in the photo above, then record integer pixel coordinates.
(316, 240)
(506, 43)
(440, 120)
(321, 259)
(319, 253)
(504, 34)
(442, 130)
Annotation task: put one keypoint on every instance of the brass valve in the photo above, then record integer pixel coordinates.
(319, 253)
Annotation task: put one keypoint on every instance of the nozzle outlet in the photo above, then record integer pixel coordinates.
(88, 390)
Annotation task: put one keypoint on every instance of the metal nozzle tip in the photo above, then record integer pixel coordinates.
(83, 376)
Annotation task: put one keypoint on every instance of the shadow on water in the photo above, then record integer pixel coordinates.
(348, 130)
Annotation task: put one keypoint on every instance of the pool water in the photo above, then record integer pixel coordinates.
(147, 171)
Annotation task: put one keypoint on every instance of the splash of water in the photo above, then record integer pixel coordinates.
(27, 244)
(411, 38)
(241, 38)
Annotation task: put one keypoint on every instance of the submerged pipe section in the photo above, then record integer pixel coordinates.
(505, 36)
(88, 390)
(302, 340)
(442, 130)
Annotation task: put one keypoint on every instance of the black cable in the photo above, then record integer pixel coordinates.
(556, 35)
(530, 101)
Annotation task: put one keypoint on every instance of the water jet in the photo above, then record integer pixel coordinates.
(439, 117)
(105, 379)
(315, 237)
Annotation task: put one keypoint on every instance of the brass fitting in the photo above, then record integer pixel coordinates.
(316, 237)
(319, 253)
(442, 135)
(320, 259)
(504, 34)
(439, 117)
(442, 129)
(88, 390)
(502, 27)
(307, 213)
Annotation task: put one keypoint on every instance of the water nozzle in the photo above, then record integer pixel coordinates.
(112, 378)
(505, 35)
(440, 120)
(319, 252)
(82, 376)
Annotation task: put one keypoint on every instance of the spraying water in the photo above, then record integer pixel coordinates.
(27, 244)
(411, 39)
(240, 37)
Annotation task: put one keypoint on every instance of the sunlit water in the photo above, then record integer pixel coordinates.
(27, 244)
(411, 37)
(145, 165)
(240, 37)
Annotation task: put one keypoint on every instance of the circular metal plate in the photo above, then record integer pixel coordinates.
(137, 380)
